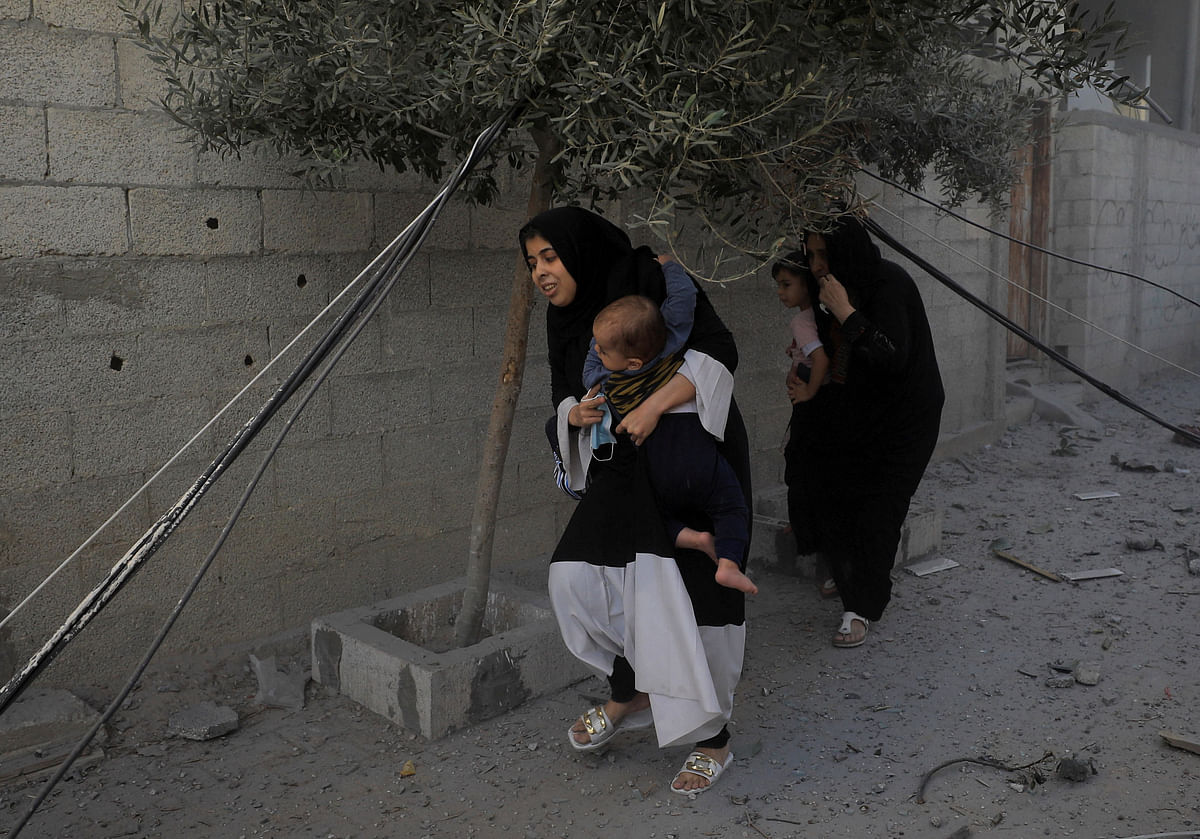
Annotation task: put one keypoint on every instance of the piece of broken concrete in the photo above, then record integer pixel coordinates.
(1087, 673)
(203, 721)
(1143, 543)
(1181, 741)
(278, 688)
(1074, 769)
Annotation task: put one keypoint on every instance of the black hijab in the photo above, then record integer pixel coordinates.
(854, 259)
(602, 261)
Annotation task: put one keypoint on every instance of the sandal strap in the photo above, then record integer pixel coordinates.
(848, 618)
(701, 764)
(595, 721)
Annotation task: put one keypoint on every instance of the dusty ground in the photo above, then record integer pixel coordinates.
(828, 742)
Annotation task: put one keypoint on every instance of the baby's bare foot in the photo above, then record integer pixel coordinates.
(730, 576)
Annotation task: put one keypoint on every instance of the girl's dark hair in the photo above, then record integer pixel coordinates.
(796, 262)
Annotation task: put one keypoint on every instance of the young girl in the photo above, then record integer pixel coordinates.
(809, 370)
(810, 364)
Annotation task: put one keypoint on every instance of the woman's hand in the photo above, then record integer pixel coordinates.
(795, 391)
(835, 298)
(587, 412)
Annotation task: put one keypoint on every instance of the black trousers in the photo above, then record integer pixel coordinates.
(621, 684)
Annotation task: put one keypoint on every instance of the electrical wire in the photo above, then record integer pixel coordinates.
(1031, 293)
(399, 251)
(1030, 245)
(424, 223)
(1016, 329)
(228, 405)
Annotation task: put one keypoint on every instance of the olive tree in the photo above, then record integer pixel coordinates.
(751, 117)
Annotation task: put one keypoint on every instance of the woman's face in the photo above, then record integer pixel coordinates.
(548, 272)
(818, 254)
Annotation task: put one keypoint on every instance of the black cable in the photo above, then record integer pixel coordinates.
(158, 533)
(1022, 242)
(388, 276)
(1013, 327)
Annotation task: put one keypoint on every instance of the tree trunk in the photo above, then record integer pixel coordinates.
(469, 626)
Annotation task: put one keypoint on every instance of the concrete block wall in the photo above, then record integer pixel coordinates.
(970, 345)
(143, 284)
(1125, 196)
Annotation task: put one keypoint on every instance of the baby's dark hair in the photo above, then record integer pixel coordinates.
(639, 325)
(796, 262)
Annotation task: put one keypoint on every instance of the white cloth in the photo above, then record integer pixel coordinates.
(714, 391)
(689, 672)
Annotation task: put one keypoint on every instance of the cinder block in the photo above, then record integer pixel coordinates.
(43, 727)
(14, 9)
(195, 221)
(92, 15)
(24, 157)
(122, 295)
(40, 220)
(142, 83)
(41, 716)
(117, 147)
(119, 439)
(61, 67)
(301, 221)
(397, 657)
(378, 402)
(33, 450)
(427, 337)
(328, 469)
(394, 212)
(496, 228)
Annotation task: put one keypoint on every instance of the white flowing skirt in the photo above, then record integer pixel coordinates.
(642, 611)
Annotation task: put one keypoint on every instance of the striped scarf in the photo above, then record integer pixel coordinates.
(625, 391)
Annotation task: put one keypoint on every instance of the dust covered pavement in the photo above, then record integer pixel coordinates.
(975, 661)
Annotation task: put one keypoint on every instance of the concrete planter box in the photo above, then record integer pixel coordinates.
(396, 657)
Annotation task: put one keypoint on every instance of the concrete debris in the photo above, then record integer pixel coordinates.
(1087, 673)
(278, 688)
(1133, 465)
(1143, 543)
(1094, 574)
(203, 721)
(1074, 769)
(1181, 741)
(1060, 681)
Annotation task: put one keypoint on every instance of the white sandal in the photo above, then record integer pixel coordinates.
(601, 729)
(706, 766)
(847, 629)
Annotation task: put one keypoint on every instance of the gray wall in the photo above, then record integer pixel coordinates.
(1127, 195)
(119, 242)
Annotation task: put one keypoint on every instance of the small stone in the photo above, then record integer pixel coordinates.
(1060, 681)
(1194, 567)
(203, 721)
(1141, 543)
(1087, 673)
(1073, 769)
